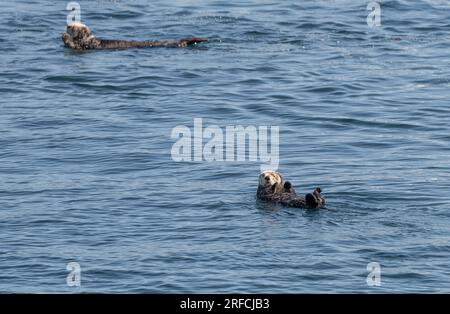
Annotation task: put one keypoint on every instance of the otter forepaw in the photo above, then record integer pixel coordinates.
(68, 42)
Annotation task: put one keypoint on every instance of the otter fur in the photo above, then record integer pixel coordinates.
(79, 37)
(272, 188)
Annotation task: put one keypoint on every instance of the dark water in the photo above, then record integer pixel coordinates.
(86, 173)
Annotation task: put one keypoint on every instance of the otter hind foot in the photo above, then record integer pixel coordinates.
(311, 201)
(315, 199)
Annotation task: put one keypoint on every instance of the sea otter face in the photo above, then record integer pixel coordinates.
(78, 31)
(270, 178)
(79, 36)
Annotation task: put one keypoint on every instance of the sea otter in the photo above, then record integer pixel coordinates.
(79, 37)
(273, 188)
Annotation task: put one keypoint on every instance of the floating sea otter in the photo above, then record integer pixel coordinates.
(78, 36)
(272, 188)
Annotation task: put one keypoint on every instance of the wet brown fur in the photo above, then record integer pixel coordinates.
(283, 193)
(79, 37)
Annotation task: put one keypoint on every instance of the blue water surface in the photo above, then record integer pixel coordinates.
(87, 175)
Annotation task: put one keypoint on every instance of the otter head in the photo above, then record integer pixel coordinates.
(78, 31)
(79, 36)
(271, 179)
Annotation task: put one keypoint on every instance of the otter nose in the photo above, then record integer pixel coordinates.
(267, 178)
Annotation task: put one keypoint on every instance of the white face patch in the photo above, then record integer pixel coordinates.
(269, 178)
(78, 25)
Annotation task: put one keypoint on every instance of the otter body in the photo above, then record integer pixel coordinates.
(79, 37)
(273, 188)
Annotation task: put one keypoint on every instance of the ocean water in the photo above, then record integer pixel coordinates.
(87, 175)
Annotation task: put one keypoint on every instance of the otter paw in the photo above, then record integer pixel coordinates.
(68, 42)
